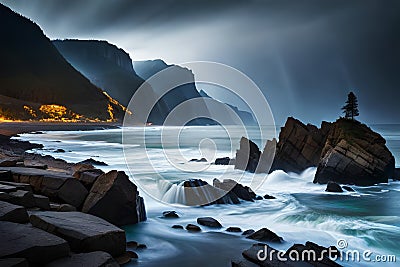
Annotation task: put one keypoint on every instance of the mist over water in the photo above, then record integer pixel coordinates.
(368, 218)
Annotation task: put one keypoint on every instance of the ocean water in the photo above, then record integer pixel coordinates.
(367, 219)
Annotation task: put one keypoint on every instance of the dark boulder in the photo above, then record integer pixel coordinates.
(91, 161)
(248, 232)
(198, 160)
(396, 175)
(314, 254)
(13, 213)
(176, 226)
(91, 259)
(333, 187)
(224, 161)
(229, 185)
(116, 199)
(265, 235)
(266, 196)
(193, 228)
(234, 230)
(209, 221)
(170, 214)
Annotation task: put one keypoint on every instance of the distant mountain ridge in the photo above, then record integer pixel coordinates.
(32, 70)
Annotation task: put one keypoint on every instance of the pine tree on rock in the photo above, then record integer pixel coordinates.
(351, 108)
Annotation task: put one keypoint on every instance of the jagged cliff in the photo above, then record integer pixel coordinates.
(36, 82)
(345, 151)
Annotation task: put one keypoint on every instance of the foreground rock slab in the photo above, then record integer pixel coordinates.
(84, 232)
(14, 262)
(35, 245)
(13, 213)
(91, 259)
(116, 199)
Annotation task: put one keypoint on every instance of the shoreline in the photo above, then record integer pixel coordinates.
(15, 128)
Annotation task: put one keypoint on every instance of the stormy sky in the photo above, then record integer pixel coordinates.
(305, 55)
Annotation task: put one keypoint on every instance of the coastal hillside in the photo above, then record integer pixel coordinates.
(37, 83)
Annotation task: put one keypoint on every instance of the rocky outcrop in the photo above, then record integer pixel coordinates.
(116, 199)
(396, 175)
(35, 245)
(299, 146)
(354, 154)
(247, 156)
(346, 152)
(224, 161)
(84, 232)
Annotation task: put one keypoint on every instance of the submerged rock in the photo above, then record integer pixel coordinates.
(266, 235)
(234, 230)
(116, 199)
(176, 226)
(333, 187)
(248, 232)
(266, 196)
(224, 161)
(170, 214)
(348, 188)
(209, 221)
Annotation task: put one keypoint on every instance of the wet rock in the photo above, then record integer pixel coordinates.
(35, 245)
(209, 221)
(259, 198)
(84, 232)
(14, 262)
(60, 150)
(265, 235)
(170, 214)
(91, 259)
(13, 213)
(229, 185)
(62, 207)
(396, 175)
(91, 161)
(126, 257)
(176, 226)
(266, 196)
(248, 232)
(354, 154)
(224, 161)
(247, 156)
(72, 192)
(200, 193)
(131, 244)
(116, 199)
(234, 230)
(333, 187)
(198, 160)
(348, 188)
(193, 228)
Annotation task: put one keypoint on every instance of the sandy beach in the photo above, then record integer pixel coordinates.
(13, 128)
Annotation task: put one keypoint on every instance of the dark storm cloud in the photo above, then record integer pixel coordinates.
(304, 55)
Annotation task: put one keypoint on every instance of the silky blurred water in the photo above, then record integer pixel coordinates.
(368, 218)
